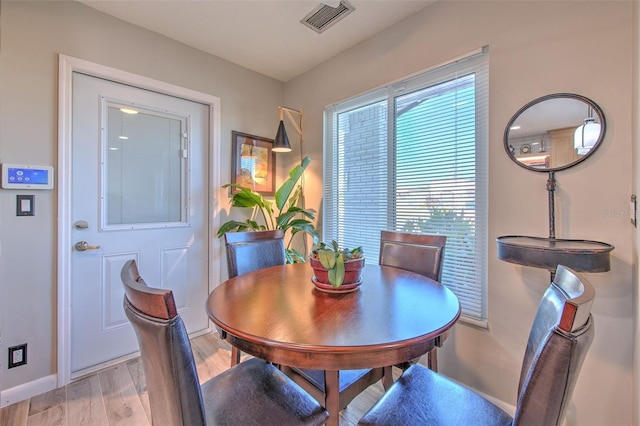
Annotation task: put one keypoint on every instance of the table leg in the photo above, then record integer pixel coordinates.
(332, 397)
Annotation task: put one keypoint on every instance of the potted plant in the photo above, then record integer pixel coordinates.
(336, 266)
(286, 214)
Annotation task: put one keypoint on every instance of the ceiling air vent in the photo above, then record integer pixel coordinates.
(325, 16)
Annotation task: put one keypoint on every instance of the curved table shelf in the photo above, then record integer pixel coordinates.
(548, 253)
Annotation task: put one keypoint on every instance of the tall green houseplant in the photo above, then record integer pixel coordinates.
(286, 215)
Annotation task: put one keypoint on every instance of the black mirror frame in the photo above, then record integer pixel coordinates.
(596, 108)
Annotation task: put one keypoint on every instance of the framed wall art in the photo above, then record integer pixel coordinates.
(253, 163)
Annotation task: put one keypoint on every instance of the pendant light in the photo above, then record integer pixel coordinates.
(587, 134)
(281, 142)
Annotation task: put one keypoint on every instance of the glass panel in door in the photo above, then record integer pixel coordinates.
(145, 170)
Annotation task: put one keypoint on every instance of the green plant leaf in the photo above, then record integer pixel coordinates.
(295, 219)
(283, 193)
(294, 256)
(306, 229)
(295, 197)
(245, 197)
(309, 213)
(282, 221)
(327, 259)
(337, 277)
(235, 226)
(298, 195)
(317, 246)
(332, 278)
(302, 225)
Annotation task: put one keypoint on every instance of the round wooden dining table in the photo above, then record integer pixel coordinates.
(278, 315)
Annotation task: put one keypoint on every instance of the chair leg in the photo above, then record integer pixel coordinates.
(432, 359)
(235, 356)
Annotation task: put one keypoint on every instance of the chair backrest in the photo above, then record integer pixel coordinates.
(173, 387)
(419, 253)
(249, 251)
(560, 337)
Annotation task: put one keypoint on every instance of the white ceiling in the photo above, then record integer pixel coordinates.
(263, 35)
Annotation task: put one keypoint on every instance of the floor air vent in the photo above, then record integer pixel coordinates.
(325, 16)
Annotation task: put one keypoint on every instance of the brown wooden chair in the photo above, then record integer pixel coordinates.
(558, 343)
(250, 251)
(253, 392)
(419, 253)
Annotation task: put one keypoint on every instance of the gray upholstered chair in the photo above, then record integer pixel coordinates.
(558, 342)
(250, 251)
(419, 253)
(251, 393)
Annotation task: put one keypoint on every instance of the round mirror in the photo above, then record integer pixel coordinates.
(554, 132)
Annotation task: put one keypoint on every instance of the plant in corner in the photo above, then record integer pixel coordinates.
(335, 265)
(286, 215)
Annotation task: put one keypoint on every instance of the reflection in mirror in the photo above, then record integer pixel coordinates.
(554, 132)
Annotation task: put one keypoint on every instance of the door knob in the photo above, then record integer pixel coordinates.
(84, 246)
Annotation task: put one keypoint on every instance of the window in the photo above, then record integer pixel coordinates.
(412, 157)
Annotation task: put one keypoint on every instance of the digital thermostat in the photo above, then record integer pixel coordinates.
(21, 176)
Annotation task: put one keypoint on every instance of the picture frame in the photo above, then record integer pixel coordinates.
(253, 163)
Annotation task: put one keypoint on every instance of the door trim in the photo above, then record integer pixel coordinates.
(67, 65)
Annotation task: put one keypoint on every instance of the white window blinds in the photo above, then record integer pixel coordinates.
(412, 157)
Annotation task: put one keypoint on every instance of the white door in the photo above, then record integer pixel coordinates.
(138, 191)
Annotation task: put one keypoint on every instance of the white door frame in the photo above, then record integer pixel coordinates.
(66, 66)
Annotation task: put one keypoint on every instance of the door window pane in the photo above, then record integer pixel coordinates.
(145, 169)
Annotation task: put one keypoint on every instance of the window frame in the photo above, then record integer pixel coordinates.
(476, 62)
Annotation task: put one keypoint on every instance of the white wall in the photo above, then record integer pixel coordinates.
(536, 48)
(32, 34)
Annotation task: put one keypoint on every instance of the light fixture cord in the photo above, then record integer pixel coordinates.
(300, 128)
(302, 181)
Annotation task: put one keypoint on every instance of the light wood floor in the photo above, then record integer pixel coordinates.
(118, 396)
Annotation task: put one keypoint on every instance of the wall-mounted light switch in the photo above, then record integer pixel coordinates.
(25, 205)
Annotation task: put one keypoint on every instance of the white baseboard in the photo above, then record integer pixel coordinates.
(27, 390)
